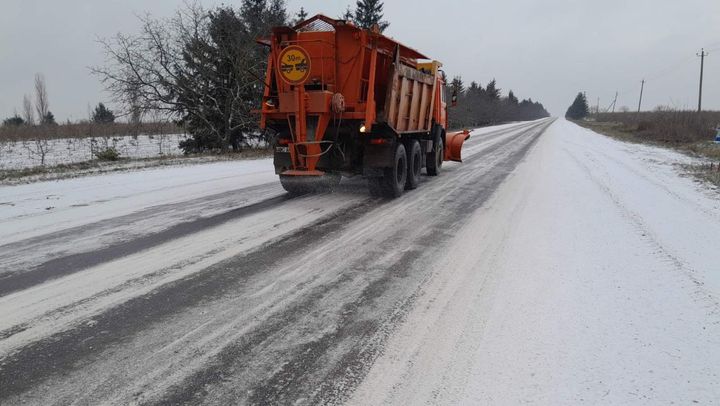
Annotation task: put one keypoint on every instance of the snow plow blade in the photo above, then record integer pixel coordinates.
(454, 143)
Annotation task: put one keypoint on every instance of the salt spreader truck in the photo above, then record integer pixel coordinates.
(347, 101)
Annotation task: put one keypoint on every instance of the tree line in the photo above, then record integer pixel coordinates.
(479, 106)
(36, 112)
(41, 107)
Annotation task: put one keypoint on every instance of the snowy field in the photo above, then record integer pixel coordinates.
(554, 266)
(27, 154)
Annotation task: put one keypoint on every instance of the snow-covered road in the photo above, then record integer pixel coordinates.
(592, 276)
(554, 266)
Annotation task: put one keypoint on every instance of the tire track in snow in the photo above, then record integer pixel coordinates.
(645, 233)
(42, 359)
(66, 265)
(17, 279)
(456, 195)
(292, 379)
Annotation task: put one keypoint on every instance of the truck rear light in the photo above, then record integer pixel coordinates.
(378, 141)
(284, 141)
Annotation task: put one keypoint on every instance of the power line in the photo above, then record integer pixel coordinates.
(659, 74)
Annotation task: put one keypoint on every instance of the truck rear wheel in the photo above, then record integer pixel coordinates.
(435, 158)
(414, 160)
(395, 176)
(392, 183)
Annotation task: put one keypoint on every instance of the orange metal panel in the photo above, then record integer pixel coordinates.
(404, 104)
(392, 100)
(434, 96)
(424, 108)
(414, 106)
(319, 102)
(370, 108)
(287, 102)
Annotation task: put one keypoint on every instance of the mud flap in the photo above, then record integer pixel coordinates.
(453, 145)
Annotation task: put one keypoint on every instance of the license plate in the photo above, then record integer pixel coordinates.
(282, 149)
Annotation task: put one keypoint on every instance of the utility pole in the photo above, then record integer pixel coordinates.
(642, 86)
(614, 101)
(702, 56)
(597, 106)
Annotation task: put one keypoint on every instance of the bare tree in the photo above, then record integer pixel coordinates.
(171, 67)
(39, 147)
(28, 112)
(42, 106)
(135, 110)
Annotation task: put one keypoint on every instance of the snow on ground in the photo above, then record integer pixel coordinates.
(26, 154)
(43, 207)
(167, 352)
(91, 291)
(40, 209)
(592, 277)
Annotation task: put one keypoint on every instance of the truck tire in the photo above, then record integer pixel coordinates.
(435, 158)
(394, 178)
(414, 160)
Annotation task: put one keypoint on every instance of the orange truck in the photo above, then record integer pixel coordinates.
(345, 101)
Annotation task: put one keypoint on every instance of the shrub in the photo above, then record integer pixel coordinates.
(667, 126)
(108, 154)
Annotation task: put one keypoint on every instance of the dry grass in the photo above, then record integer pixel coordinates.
(665, 126)
(686, 131)
(85, 130)
(706, 172)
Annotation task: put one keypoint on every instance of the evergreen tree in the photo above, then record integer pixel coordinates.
(276, 14)
(15, 121)
(102, 115)
(579, 108)
(226, 66)
(368, 13)
(479, 107)
(348, 15)
(48, 119)
(301, 16)
(457, 86)
(474, 88)
(492, 91)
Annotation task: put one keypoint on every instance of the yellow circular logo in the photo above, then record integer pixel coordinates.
(294, 65)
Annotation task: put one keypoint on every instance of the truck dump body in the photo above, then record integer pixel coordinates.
(342, 99)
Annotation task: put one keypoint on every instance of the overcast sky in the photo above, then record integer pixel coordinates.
(547, 50)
